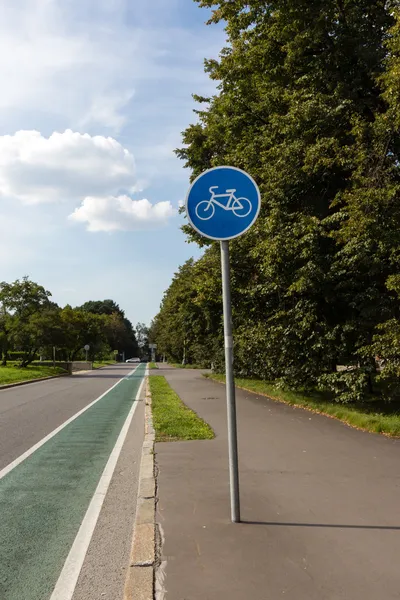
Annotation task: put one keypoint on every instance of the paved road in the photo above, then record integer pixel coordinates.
(320, 505)
(28, 413)
(44, 499)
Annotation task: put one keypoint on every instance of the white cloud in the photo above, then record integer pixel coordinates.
(106, 67)
(80, 62)
(65, 166)
(121, 213)
(75, 167)
(106, 109)
(53, 65)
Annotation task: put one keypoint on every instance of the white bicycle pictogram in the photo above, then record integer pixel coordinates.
(241, 207)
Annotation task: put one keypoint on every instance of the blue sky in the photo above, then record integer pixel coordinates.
(94, 97)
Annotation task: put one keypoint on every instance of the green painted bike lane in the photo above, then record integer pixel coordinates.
(44, 499)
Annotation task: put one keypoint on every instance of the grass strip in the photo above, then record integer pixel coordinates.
(368, 417)
(11, 374)
(173, 420)
(180, 366)
(153, 365)
(103, 363)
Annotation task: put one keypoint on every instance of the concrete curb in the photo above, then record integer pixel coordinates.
(139, 584)
(12, 385)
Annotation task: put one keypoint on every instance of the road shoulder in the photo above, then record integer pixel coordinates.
(139, 584)
(108, 558)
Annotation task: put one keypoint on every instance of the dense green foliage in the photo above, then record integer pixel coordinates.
(309, 103)
(30, 324)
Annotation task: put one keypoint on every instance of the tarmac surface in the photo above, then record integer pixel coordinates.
(320, 505)
(29, 412)
(45, 500)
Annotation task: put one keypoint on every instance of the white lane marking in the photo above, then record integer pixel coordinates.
(65, 586)
(48, 437)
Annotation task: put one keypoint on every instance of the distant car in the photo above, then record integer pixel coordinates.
(133, 360)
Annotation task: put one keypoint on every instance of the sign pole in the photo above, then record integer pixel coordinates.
(230, 385)
(86, 349)
(222, 203)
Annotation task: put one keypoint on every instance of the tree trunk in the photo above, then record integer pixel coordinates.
(370, 384)
(5, 354)
(28, 358)
(184, 352)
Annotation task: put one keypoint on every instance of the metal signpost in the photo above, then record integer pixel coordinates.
(222, 204)
(86, 348)
(153, 348)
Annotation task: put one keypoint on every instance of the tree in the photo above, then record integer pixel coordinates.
(382, 225)
(131, 346)
(188, 327)
(142, 336)
(102, 307)
(116, 333)
(119, 331)
(43, 329)
(24, 297)
(30, 321)
(308, 102)
(4, 332)
(22, 301)
(80, 328)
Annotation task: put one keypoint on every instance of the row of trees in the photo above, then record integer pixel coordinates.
(308, 102)
(30, 323)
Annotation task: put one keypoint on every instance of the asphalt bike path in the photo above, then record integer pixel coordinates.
(43, 500)
(319, 502)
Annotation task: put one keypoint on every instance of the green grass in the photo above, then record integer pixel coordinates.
(371, 416)
(11, 374)
(103, 363)
(153, 365)
(179, 366)
(172, 419)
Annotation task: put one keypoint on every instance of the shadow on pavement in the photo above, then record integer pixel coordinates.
(326, 525)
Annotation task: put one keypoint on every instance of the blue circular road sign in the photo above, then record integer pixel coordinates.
(222, 203)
